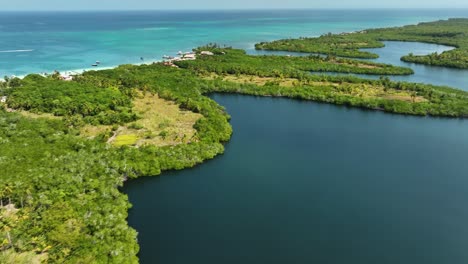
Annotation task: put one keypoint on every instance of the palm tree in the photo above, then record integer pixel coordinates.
(7, 191)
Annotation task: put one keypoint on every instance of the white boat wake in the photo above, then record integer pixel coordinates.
(15, 51)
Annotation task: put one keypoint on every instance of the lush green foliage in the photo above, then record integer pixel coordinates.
(64, 188)
(457, 58)
(338, 45)
(234, 59)
(353, 92)
(452, 32)
(350, 91)
(180, 86)
(107, 105)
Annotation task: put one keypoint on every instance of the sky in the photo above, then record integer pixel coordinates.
(28, 5)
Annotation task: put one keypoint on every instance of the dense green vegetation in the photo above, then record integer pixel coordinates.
(108, 105)
(59, 196)
(417, 99)
(396, 97)
(234, 59)
(452, 32)
(342, 45)
(59, 192)
(67, 207)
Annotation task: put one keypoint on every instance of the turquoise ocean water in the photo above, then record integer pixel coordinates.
(42, 42)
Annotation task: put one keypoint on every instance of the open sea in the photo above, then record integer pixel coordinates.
(35, 42)
(300, 182)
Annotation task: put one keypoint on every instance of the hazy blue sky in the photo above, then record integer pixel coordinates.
(220, 4)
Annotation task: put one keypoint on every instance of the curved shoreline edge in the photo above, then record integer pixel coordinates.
(71, 184)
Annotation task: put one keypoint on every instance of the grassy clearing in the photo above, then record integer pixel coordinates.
(37, 115)
(357, 64)
(162, 123)
(354, 89)
(124, 140)
(251, 79)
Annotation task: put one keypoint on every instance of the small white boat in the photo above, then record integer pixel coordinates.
(98, 62)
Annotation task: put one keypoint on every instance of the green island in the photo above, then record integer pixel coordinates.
(68, 146)
(237, 61)
(451, 32)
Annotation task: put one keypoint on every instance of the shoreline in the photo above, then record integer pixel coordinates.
(82, 70)
(252, 49)
(66, 73)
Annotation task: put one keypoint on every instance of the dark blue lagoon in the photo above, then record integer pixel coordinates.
(303, 182)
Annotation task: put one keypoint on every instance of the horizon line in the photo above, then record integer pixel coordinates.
(237, 9)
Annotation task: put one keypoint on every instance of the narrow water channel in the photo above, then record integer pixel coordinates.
(391, 54)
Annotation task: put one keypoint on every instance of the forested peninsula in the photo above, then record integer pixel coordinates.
(452, 32)
(68, 146)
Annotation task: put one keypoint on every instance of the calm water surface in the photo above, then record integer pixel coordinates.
(303, 182)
